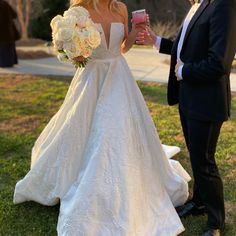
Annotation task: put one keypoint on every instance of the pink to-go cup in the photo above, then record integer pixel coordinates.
(139, 16)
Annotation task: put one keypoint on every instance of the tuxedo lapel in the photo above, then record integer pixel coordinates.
(195, 17)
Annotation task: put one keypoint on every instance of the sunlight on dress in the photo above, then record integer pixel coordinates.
(101, 158)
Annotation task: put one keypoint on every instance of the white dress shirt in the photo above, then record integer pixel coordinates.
(187, 20)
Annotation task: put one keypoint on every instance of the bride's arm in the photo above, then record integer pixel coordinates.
(129, 38)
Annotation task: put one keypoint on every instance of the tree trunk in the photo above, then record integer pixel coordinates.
(23, 11)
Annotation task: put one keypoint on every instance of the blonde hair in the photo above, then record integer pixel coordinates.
(113, 4)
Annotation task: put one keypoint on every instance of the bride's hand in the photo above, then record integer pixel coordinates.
(79, 59)
(137, 28)
(148, 20)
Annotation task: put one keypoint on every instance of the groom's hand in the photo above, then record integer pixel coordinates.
(178, 70)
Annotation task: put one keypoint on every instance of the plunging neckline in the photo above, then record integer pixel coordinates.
(108, 40)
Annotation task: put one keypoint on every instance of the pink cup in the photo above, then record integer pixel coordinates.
(139, 16)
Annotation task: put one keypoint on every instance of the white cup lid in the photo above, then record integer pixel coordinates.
(139, 11)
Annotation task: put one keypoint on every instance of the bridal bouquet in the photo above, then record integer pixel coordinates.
(74, 35)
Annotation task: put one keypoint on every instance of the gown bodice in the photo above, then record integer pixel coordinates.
(112, 50)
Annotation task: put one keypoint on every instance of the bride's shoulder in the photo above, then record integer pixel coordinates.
(79, 5)
(121, 6)
(85, 6)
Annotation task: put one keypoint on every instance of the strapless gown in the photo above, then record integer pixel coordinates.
(100, 157)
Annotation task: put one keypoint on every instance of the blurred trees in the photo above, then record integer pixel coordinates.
(23, 8)
(163, 11)
(35, 15)
(40, 26)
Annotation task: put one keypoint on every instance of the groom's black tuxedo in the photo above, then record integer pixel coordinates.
(208, 51)
(204, 94)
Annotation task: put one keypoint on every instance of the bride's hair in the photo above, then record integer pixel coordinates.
(113, 4)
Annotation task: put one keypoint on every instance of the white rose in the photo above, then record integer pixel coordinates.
(58, 45)
(81, 35)
(86, 52)
(65, 34)
(77, 12)
(55, 20)
(79, 43)
(82, 11)
(55, 36)
(82, 21)
(89, 23)
(70, 21)
(94, 39)
(66, 13)
(91, 28)
(71, 50)
(65, 23)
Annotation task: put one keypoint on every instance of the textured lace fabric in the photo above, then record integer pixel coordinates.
(101, 157)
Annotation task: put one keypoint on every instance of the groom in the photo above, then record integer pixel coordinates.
(201, 59)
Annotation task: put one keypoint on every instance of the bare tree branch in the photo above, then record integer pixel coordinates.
(23, 8)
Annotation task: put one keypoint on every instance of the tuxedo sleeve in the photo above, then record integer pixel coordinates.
(166, 46)
(213, 67)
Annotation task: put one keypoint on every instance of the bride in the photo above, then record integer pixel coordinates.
(100, 155)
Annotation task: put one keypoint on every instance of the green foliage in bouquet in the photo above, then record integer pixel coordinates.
(40, 26)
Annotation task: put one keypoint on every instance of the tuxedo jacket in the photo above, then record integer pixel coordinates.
(208, 51)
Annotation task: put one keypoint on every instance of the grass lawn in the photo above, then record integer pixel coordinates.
(26, 105)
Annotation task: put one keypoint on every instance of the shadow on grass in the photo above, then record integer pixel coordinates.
(154, 92)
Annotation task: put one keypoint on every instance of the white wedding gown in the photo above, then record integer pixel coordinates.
(101, 158)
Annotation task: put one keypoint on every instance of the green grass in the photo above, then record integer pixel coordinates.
(26, 105)
(142, 46)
